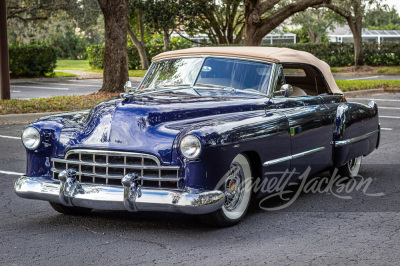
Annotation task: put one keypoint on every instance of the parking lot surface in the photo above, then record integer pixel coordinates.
(318, 228)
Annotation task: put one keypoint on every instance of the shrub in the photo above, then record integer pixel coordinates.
(342, 54)
(31, 60)
(95, 56)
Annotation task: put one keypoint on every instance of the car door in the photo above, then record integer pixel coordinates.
(310, 131)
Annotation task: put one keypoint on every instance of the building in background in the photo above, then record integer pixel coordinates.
(343, 34)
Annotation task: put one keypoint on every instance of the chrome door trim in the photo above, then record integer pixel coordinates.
(290, 157)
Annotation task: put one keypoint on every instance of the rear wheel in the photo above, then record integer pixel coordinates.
(69, 210)
(351, 168)
(237, 188)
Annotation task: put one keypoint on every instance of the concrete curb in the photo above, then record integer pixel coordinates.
(23, 118)
(61, 79)
(363, 74)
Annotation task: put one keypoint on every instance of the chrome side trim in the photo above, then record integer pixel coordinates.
(294, 156)
(348, 141)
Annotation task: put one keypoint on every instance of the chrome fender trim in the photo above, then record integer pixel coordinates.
(290, 157)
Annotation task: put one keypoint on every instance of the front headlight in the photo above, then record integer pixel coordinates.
(31, 138)
(190, 146)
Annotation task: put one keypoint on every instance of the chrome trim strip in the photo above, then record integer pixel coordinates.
(348, 141)
(290, 157)
(112, 198)
(130, 166)
(115, 153)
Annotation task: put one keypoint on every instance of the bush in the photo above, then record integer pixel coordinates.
(70, 46)
(153, 48)
(342, 54)
(32, 60)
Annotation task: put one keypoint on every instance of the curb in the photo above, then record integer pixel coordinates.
(60, 79)
(363, 74)
(23, 118)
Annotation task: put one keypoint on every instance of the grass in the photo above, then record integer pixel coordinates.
(83, 65)
(53, 104)
(390, 69)
(355, 85)
(59, 75)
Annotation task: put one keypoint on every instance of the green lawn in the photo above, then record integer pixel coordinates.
(368, 69)
(59, 75)
(83, 65)
(355, 85)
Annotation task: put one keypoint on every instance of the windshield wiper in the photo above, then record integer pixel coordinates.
(212, 86)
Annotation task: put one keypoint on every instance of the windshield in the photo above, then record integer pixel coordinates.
(214, 73)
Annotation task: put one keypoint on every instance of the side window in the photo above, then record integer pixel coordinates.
(280, 81)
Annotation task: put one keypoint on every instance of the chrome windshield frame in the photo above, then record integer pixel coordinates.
(269, 87)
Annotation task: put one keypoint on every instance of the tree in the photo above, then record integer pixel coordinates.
(166, 16)
(261, 17)
(222, 21)
(316, 22)
(115, 61)
(352, 11)
(136, 17)
(382, 17)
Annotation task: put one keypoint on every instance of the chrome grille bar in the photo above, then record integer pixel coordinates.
(107, 167)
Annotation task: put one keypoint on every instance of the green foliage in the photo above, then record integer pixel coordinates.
(153, 47)
(342, 54)
(32, 60)
(70, 46)
(382, 18)
(96, 55)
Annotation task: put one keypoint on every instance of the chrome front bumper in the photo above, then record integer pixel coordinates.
(129, 197)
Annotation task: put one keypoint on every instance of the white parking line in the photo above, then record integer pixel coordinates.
(44, 88)
(10, 173)
(372, 77)
(385, 128)
(9, 137)
(387, 100)
(394, 108)
(388, 116)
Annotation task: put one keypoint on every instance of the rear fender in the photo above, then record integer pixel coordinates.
(355, 132)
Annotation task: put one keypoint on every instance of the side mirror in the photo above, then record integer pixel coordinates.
(286, 90)
(128, 86)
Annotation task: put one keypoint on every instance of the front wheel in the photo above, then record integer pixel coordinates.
(237, 188)
(70, 210)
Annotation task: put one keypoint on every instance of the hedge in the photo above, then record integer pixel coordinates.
(153, 48)
(342, 54)
(31, 60)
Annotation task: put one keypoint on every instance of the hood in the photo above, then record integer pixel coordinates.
(148, 123)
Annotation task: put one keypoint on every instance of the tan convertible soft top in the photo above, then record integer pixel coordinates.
(271, 54)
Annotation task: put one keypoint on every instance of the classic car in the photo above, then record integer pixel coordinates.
(203, 125)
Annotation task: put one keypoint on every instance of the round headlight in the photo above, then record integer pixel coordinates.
(31, 138)
(190, 146)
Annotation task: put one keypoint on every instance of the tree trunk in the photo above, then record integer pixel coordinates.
(356, 29)
(115, 51)
(166, 40)
(141, 50)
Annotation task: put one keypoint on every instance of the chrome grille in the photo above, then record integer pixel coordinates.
(109, 167)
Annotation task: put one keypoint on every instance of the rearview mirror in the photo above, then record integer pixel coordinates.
(286, 90)
(128, 86)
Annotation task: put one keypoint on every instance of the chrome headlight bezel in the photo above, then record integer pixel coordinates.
(31, 138)
(190, 146)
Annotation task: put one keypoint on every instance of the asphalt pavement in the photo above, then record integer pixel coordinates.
(40, 89)
(318, 229)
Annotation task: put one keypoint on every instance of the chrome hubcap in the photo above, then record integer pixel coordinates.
(234, 187)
